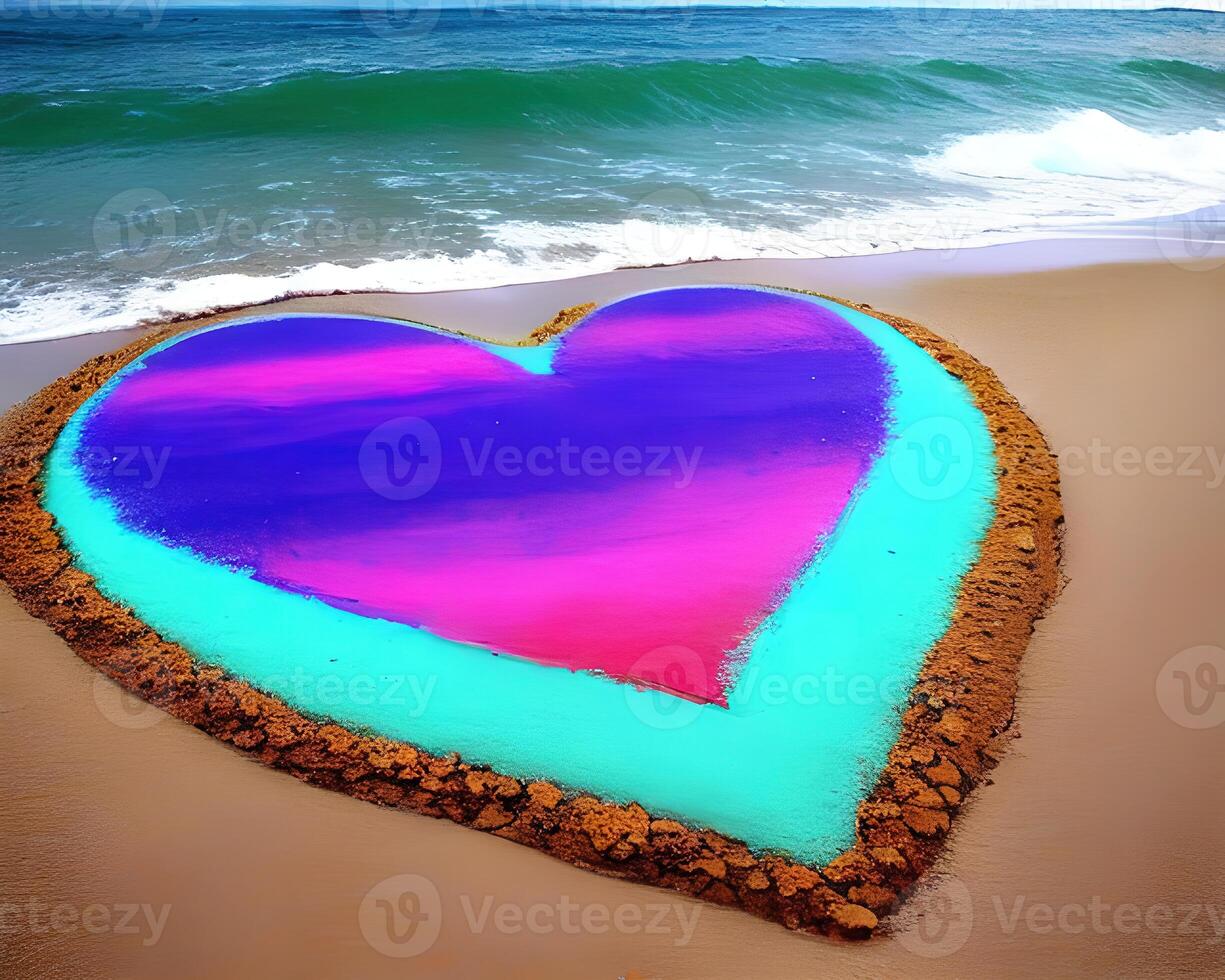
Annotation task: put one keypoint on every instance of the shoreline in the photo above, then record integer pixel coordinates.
(1161, 238)
(1089, 781)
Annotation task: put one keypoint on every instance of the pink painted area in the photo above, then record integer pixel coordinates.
(531, 594)
(298, 380)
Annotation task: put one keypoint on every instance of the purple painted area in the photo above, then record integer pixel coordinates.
(662, 488)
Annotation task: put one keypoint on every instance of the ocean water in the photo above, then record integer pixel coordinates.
(166, 161)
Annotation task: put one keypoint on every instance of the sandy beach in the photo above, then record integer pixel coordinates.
(1094, 850)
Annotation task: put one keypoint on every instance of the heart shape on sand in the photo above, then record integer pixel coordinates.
(309, 535)
(723, 493)
(659, 484)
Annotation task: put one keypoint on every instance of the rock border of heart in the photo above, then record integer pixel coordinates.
(957, 722)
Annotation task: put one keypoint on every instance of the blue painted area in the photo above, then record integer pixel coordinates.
(534, 360)
(815, 708)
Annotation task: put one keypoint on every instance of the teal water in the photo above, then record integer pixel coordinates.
(170, 160)
(809, 722)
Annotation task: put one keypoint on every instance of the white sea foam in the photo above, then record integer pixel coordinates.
(1085, 168)
(1089, 143)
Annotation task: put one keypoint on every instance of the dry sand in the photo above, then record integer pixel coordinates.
(1104, 804)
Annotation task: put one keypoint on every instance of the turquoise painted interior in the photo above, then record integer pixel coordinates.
(810, 720)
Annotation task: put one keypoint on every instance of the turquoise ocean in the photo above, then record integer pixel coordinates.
(167, 160)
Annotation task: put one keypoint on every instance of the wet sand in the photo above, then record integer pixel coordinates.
(1103, 802)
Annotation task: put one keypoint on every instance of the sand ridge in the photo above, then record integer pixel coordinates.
(959, 707)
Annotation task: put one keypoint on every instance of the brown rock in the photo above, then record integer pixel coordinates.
(792, 878)
(738, 856)
(712, 865)
(927, 797)
(482, 781)
(757, 880)
(890, 857)
(849, 866)
(855, 920)
(925, 822)
(382, 791)
(719, 893)
(607, 823)
(945, 773)
(561, 322)
(920, 753)
(1023, 538)
(952, 727)
(623, 850)
(493, 816)
(875, 897)
(544, 794)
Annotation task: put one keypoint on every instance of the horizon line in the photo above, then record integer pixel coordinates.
(1009, 6)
